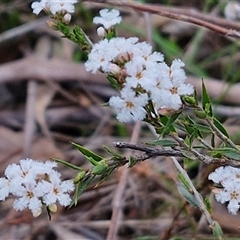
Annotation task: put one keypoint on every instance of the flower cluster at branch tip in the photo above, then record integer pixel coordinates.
(142, 75)
(229, 178)
(35, 184)
(61, 7)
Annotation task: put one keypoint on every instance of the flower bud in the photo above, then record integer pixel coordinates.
(165, 111)
(114, 68)
(79, 177)
(53, 207)
(100, 169)
(101, 32)
(67, 18)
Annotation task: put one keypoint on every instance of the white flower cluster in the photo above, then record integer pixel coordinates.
(35, 184)
(54, 6)
(143, 76)
(229, 178)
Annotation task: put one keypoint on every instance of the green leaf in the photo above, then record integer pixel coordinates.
(163, 142)
(67, 164)
(116, 156)
(200, 114)
(87, 153)
(227, 152)
(132, 161)
(208, 204)
(184, 181)
(107, 172)
(189, 129)
(202, 128)
(220, 127)
(217, 230)
(187, 195)
(193, 136)
(113, 82)
(79, 177)
(191, 100)
(80, 188)
(206, 102)
(100, 168)
(188, 154)
(213, 140)
(92, 161)
(168, 123)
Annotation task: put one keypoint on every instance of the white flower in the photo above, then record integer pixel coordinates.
(29, 197)
(130, 106)
(229, 178)
(39, 6)
(62, 6)
(100, 56)
(56, 190)
(232, 10)
(108, 18)
(4, 188)
(54, 6)
(230, 195)
(220, 174)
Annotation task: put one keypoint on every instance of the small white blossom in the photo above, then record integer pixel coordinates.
(39, 6)
(4, 188)
(57, 191)
(229, 178)
(131, 107)
(32, 182)
(60, 6)
(108, 18)
(232, 10)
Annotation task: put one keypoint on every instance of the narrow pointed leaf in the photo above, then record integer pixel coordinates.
(227, 152)
(220, 127)
(67, 164)
(206, 102)
(80, 188)
(113, 153)
(87, 152)
(217, 230)
(187, 195)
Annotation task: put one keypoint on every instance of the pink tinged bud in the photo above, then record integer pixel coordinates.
(165, 111)
(124, 57)
(114, 68)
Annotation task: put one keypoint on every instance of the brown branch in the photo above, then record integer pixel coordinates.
(216, 24)
(153, 152)
(186, 17)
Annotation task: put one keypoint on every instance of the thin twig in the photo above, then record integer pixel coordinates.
(30, 123)
(221, 135)
(218, 25)
(118, 198)
(197, 196)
